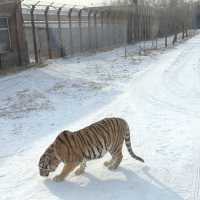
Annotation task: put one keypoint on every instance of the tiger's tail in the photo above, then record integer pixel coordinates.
(128, 145)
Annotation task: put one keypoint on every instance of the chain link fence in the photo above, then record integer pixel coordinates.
(53, 32)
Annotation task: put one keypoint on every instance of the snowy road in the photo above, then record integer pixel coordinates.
(161, 102)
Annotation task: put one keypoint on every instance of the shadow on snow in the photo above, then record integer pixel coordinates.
(133, 187)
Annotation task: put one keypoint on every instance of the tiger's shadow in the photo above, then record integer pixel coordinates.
(133, 187)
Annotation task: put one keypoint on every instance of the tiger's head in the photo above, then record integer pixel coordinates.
(48, 162)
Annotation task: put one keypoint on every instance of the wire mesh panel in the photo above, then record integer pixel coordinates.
(60, 31)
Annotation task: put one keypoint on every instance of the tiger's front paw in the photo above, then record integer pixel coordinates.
(58, 178)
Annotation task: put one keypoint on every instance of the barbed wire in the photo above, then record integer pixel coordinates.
(60, 3)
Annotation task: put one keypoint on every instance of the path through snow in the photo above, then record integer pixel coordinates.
(161, 103)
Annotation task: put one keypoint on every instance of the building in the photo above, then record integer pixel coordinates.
(13, 48)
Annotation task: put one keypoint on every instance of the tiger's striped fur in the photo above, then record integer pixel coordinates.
(92, 142)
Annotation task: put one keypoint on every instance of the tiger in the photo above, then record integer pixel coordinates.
(92, 142)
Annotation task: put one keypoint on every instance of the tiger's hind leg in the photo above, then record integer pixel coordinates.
(81, 169)
(116, 158)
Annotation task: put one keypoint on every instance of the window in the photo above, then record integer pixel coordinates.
(4, 35)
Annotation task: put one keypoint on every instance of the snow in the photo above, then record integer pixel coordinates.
(157, 93)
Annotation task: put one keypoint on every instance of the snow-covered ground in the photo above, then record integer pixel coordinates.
(158, 94)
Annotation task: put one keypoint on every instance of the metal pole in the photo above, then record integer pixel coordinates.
(145, 28)
(80, 28)
(102, 28)
(140, 28)
(129, 26)
(166, 30)
(70, 31)
(89, 29)
(34, 33)
(117, 27)
(158, 32)
(96, 33)
(146, 23)
(133, 24)
(113, 27)
(108, 23)
(47, 31)
(138, 22)
(62, 54)
(17, 35)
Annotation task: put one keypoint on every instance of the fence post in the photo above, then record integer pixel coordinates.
(114, 29)
(132, 24)
(96, 32)
(141, 28)
(166, 30)
(151, 29)
(102, 28)
(145, 24)
(149, 23)
(183, 31)
(175, 35)
(166, 40)
(47, 31)
(70, 31)
(184, 25)
(34, 33)
(118, 13)
(111, 27)
(157, 35)
(134, 21)
(188, 21)
(62, 54)
(139, 23)
(129, 26)
(17, 35)
(80, 28)
(136, 24)
(175, 26)
(108, 24)
(89, 29)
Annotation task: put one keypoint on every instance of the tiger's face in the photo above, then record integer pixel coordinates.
(48, 162)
